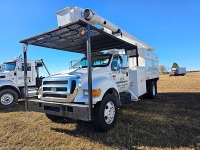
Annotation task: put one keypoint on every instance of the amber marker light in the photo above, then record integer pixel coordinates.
(25, 47)
(82, 31)
(96, 92)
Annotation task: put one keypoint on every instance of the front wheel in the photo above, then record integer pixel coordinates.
(8, 98)
(105, 113)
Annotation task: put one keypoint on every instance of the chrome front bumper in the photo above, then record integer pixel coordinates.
(68, 110)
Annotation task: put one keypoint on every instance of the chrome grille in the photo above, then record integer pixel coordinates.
(56, 88)
(59, 88)
(55, 95)
(55, 82)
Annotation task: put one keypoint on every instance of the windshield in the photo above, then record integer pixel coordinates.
(97, 61)
(9, 66)
(76, 64)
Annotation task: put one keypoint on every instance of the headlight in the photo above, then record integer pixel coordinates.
(95, 92)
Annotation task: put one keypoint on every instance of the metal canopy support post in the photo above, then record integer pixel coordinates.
(137, 55)
(25, 47)
(89, 71)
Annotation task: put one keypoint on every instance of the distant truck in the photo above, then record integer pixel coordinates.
(180, 71)
(12, 80)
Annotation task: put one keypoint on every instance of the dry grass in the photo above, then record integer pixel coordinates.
(171, 121)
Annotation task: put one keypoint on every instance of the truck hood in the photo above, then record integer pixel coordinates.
(81, 72)
(5, 75)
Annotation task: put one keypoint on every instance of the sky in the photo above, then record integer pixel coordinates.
(172, 27)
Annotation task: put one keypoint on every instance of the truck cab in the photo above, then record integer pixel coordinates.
(12, 81)
(107, 72)
(14, 71)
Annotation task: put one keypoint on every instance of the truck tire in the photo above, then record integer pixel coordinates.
(53, 118)
(151, 89)
(105, 113)
(8, 98)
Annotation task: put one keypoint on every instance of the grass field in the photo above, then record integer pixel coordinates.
(171, 121)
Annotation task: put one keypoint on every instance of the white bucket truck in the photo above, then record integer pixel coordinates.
(117, 69)
(12, 80)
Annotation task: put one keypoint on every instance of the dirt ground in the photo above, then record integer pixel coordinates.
(171, 121)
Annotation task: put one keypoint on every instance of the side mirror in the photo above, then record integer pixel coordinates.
(19, 66)
(125, 61)
(39, 64)
(125, 66)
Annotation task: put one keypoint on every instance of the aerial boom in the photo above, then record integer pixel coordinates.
(71, 14)
(93, 18)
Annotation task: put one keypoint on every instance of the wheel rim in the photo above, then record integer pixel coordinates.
(6, 99)
(154, 90)
(109, 112)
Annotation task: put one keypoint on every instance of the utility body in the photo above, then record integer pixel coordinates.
(117, 69)
(12, 80)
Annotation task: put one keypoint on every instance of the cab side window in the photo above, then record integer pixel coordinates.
(28, 67)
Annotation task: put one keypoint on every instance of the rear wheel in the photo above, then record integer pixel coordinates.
(8, 98)
(53, 118)
(151, 89)
(105, 113)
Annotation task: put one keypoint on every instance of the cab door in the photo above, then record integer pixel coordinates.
(118, 76)
(19, 74)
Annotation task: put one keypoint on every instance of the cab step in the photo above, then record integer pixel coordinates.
(125, 99)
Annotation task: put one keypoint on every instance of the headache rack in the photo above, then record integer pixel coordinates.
(69, 38)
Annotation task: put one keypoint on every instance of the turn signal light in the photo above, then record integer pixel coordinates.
(96, 93)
